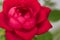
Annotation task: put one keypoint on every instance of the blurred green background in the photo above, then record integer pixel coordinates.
(54, 33)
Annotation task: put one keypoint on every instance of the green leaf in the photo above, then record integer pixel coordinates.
(2, 34)
(54, 15)
(46, 36)
(2, 31)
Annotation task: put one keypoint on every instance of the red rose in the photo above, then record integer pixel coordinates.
(23, 19)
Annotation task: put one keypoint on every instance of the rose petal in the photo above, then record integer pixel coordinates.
(27, 35)
(3, 24)
(44, 13)
(27, 16)
(12, 11)
(29, 24)
(12, 36)
(14, 24)
(44, 27)
(44, 24)
(7, 4)
(21, 19)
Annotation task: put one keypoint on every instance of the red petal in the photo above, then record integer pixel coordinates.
(2, 24)
(44, 27)
(27, 35)
(25, 3)
(44, 24)
(13, 23)
(29, 24)
(12, 36)
(44, 13)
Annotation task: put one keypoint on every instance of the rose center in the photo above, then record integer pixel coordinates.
(23, 11)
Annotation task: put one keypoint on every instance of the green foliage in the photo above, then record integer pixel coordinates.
(0, 3)
(2, 37)
(54, 15)
(56, 34)
(2, 34)
(46, 36)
